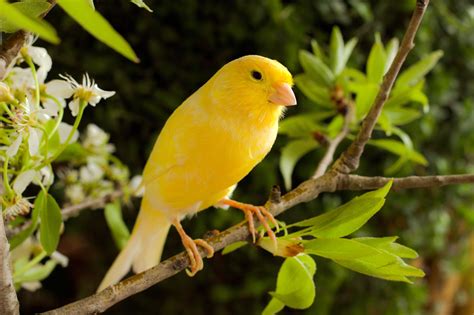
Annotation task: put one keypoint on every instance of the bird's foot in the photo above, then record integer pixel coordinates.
(191, 246)
(262, 214)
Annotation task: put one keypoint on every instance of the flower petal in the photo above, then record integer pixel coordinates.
(34, 140)
(59, 88)
(13, 148)
(23, 180)
(64, 130)
(74, 106)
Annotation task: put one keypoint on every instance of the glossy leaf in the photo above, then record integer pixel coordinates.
(50, 222)
(291, 154)
(32, 9)
(303, 125)
(376, 62)
(13, 16)
(317, 51)
(316, 69)
(391, 51)
(114, 219)
(416, 72)
(338, 248)
(347, 218)
(312, 90)
(97, 26)
(398, 148)
(348, 48)
(295, 285)
(336, 47)
(401, 116)
(142, 4)
(388, 244)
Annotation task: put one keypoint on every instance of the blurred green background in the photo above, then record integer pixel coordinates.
(180, 46)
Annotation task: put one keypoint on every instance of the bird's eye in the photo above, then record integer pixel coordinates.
(257, 75)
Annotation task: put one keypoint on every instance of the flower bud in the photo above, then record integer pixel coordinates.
(284, 248)
(5, 94)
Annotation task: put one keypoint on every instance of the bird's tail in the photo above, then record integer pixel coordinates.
(143, 249)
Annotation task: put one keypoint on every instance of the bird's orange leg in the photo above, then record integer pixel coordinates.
(263, 215)
(190, 245)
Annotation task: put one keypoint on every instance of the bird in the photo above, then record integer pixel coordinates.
(208, 144)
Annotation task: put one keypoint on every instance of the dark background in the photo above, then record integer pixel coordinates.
(180, 46)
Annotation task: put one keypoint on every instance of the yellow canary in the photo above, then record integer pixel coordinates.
(210, 142)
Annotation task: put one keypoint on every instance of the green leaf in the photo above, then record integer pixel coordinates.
(365, 97)
(376, 62)
(303, 125)
(400, 149)
(316, 69)
(317, 51)
(233, 247)
(50, 222)
(23, 235)
(336, 47)
(291, 154)
(416, 72)
(388, 244)
(313, 91)
(348, 48)
(391, 51)
(13, 16)
(295, 285)
(97, 26)
(114, 219)
(37, 273)
(401, 116)
(347, 218)
(338, 248)
(141, 4)
(32, 9)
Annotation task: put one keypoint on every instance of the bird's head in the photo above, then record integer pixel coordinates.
(253, 85)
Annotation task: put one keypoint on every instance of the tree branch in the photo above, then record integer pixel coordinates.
(8, 299)
(349, 160)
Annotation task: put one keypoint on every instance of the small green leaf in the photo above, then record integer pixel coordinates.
(316, 69)
(291, 154)
(391, 51)
(97, 26)
(401, 116)
(338, 248)
(12, 15)
(142, 4)
(365, 97)
(113, 216)
(347, 218)
(388, 244)
(303, 125)
(416, 72)
(50, 222)
(348, 48)
(317, 51)
(312, 90)
(233, 247)
(295, 285)
(336, 47)
(376, 62)
(32, 9)
(400, 149)
(37, 273)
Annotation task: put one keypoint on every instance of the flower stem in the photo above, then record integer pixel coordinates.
(60, 115)
(35, 77)
(6, 183)
(30, 264)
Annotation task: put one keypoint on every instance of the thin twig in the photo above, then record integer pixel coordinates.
(356, 182)
(333, 144)
(8, 299)
(349, 160)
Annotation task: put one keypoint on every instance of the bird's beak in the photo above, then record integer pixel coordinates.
(282, 95)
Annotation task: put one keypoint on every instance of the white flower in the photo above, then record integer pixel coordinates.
(5, 94)
(90, 173)
(95, 136)
(23, 180)
(75, 193)
(12, 150)
(45, 176)
(40, 56)
(64, 130)
(88, 92)
(60, 259)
